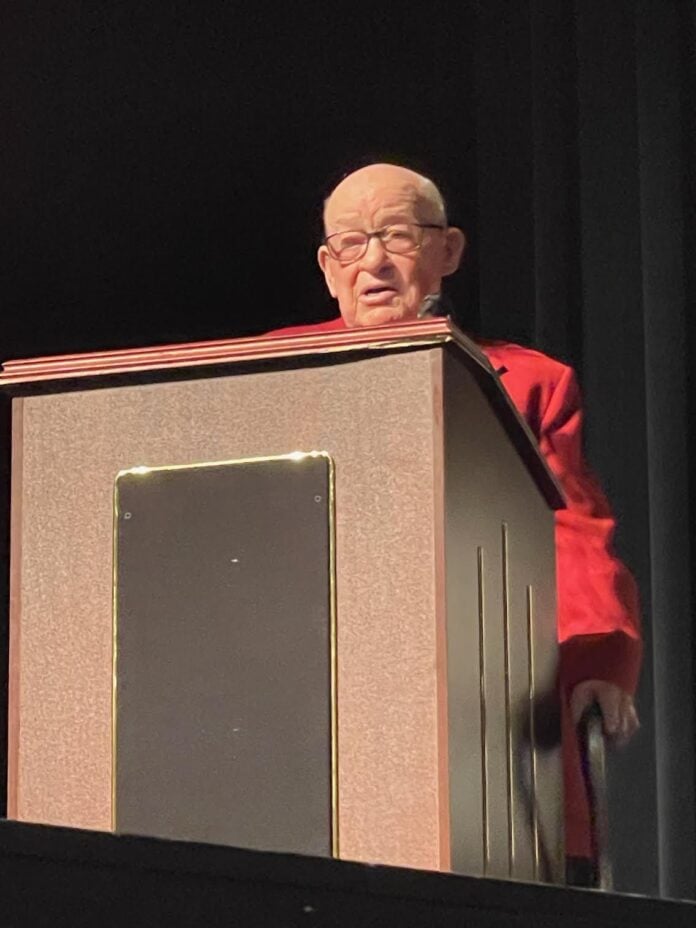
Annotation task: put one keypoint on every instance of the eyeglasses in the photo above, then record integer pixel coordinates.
(398, 239)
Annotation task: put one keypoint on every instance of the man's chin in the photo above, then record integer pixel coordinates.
(382, 315)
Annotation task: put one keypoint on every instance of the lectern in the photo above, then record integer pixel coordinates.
(289, 593)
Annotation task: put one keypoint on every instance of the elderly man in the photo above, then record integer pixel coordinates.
(387, 246)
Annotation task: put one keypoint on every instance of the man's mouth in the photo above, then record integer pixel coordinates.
(377, 294)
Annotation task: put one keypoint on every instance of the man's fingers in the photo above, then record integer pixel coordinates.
(581, 698)
(629, 719)
(628, 723)
(609, 698)
(619, 716)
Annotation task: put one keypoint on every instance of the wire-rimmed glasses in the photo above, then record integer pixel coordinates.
(397, 238)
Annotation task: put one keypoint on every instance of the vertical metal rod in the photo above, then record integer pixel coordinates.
(508, 711)
(532, 730)
(482, 701)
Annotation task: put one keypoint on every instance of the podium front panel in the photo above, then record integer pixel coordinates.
(376, 418)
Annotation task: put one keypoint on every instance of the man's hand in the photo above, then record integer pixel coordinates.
(619, 716)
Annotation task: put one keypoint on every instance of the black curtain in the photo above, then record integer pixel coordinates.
(585, 143)
(165, 163)
(162, 172)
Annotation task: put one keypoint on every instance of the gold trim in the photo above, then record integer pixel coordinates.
(299, 456)
(333, 611)
(482, 701)
(531, 670)
(144, 469)
(114, 648)
(508, 710)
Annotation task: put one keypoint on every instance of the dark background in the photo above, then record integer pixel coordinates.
(167, 163)
(161, 175)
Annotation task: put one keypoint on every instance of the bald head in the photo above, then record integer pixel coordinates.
(404, 245)
(370, 182)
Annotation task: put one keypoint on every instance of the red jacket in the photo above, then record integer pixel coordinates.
(598, 609)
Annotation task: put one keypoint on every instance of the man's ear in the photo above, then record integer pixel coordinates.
(324, 259)
(455, 243)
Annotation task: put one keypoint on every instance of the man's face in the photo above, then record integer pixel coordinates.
(382, 287)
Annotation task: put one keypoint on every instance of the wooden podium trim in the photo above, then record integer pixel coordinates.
(229, 351)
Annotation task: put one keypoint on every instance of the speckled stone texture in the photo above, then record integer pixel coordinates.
(376, 417)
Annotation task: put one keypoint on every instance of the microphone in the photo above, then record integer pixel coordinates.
(435, 304)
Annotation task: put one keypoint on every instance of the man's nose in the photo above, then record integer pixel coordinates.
(376, 255)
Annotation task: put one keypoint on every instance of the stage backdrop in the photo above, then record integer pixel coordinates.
(162, 174)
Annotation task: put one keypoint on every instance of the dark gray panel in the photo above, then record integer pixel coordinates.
(500, 590)
(223, 632)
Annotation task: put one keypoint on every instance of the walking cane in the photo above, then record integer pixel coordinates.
(594, 765)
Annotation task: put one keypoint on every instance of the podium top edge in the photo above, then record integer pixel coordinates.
(49, 371)
(235, 350)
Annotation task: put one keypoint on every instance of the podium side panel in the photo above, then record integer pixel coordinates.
(506, 794)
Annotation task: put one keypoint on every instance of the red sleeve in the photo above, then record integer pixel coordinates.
(598, 607)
